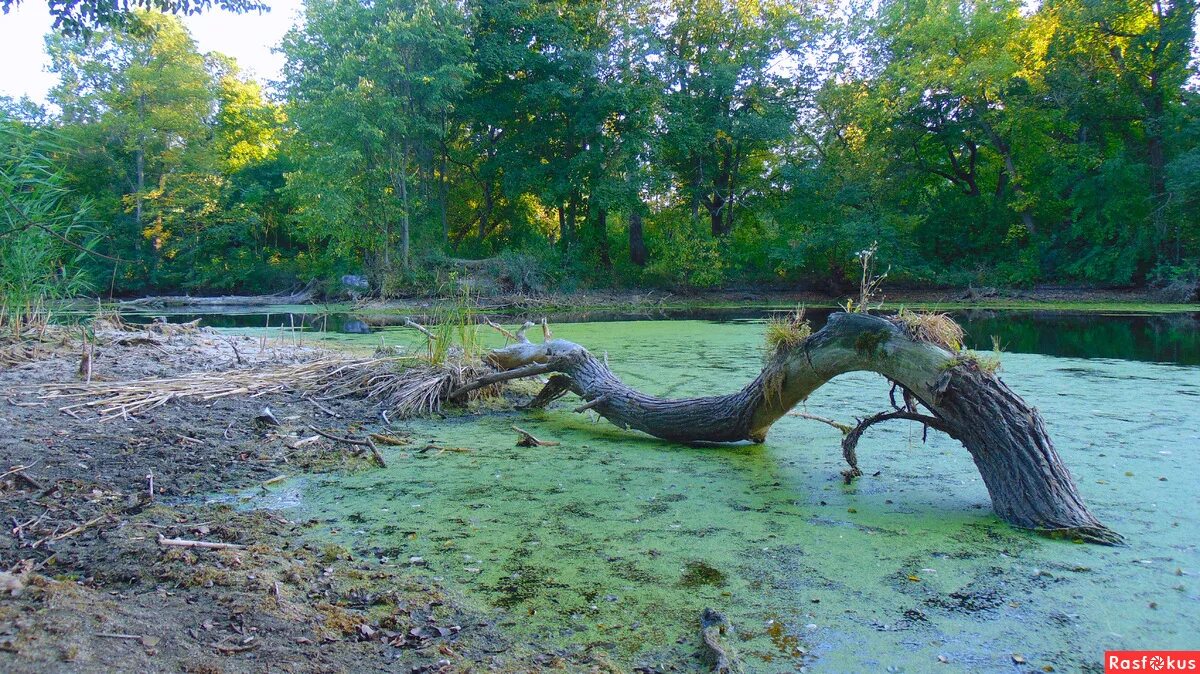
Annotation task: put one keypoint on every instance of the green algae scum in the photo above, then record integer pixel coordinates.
(613, 541)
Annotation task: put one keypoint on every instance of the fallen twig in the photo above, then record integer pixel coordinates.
(19, 473)
(81, 528)
(304, 441)
(323, 408)
(392, 440)
(527, 439)
(25, 404)
(184, 543)
(368, 443)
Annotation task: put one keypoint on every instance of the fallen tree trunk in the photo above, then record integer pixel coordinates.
(299, 297)
(1028, 483)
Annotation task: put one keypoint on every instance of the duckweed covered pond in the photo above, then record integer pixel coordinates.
(615, 541)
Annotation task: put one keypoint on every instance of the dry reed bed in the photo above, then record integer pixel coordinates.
(403, 385)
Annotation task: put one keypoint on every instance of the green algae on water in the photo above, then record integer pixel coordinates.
(617, 541)
(698, 573)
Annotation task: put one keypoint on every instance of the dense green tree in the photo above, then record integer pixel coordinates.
(163, 135)
(729, 102)
(81, 18)
(681, 142)
(370, 89)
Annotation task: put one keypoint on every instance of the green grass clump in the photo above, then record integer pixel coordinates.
(456, 332)
(39, 224)
(787, 331)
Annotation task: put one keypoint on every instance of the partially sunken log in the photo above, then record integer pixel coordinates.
(1028, 483)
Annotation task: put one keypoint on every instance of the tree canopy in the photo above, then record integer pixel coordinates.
(639, 143)
(80, 18)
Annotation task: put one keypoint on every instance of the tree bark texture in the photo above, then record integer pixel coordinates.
(637, 241)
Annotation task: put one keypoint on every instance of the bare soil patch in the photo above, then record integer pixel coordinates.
(111, 558)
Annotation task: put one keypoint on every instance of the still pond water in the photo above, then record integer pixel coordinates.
(614, 541)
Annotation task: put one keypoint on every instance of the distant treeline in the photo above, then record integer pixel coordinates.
(624, 143)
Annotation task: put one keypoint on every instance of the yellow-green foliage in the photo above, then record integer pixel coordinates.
(937, 329)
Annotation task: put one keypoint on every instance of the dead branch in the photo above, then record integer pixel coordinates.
(368, 443)
(716, 633)
(843, 427)
(321, 407)
(499, 328)
(591, 403)
(410, 323)
(81, 528)
(527, 439)
(506, 375)
(207, 545)
(853, 435)
(385, 439)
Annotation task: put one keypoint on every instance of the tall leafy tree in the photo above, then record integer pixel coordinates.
(728, 99)
(140, 98)
(369, 88)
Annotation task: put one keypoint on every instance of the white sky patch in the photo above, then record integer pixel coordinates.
(249, 38)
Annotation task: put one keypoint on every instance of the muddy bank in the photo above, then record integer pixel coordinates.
(102, 561)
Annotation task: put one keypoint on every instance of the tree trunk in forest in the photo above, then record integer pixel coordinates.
(140, 186)
(1010, 169)
(637, 241)
(716, 214)
(485, 210)
(1028, 483)
(404, 217)
(600, 231)
(568, 230)
(1156, 160)
(444, 199)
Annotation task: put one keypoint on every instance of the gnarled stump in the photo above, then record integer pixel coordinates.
(1028, 483)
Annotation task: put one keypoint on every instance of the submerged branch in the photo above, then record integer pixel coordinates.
(716, 632)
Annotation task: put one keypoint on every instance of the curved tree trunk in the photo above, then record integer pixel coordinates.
(1028, 483)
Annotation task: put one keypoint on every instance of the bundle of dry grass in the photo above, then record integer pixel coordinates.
(403, 385)
(32, 343)
(419, 388)
(937, 329)
(111, 321)
(787, 331)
